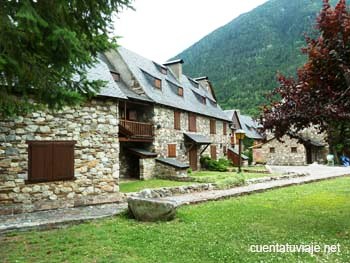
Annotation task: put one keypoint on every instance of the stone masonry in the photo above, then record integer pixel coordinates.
(166, 134)
(93, 126)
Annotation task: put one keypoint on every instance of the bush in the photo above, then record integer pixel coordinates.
(213, 165)
(189, 170)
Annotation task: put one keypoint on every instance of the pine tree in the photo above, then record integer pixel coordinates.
(43, 44)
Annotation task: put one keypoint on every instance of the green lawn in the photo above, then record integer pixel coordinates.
(135, 186)
(212, 232)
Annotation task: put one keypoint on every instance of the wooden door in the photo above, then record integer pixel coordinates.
(193, 157)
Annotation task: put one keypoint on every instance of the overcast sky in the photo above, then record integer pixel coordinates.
(160, 29)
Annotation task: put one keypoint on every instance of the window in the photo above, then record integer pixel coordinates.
(132, 116)
(204, 101)
(180, 91)
(192, 122)
(224, 128)
(212, 126)
(213, 151)
(272, 150)
(116, 76)
(158, 83)
(294, 149)
(50, 161)
(177, 122)
(224, 150)
(171, 150)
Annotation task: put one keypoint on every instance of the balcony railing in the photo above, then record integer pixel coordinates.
(138, 129)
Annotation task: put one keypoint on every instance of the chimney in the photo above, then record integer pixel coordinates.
(204, 82)
(176, 67)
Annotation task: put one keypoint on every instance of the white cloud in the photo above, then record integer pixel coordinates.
(160, 29)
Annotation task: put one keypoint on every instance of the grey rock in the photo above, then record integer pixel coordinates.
(11, 151)
(151, 210)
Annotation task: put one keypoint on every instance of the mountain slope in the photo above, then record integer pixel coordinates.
(243, 57)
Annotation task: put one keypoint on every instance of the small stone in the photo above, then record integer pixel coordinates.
(26, 190)
(53, 197)
(44, 129)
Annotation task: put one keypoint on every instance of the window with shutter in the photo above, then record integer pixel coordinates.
(212, 126)
(177, 122)
(50, 161)
(213, 151)
(171, 150)
(192, 125)
(224, 128)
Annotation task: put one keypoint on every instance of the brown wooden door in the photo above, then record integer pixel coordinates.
(193, 157)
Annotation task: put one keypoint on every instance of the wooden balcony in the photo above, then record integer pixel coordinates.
(136, 131)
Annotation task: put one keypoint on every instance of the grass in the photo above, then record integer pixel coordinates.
(135, 186)
(212, 232)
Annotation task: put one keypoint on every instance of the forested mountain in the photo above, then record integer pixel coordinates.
(243, 57)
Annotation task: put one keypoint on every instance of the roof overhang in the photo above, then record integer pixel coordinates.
(198, 138)
(142, 153)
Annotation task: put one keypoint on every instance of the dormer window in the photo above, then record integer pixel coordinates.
(204, 100)
(116, 76)
(157, 83)
(152, 80)
(161, 69)
(180, 91)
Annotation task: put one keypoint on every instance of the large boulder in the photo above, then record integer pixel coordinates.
(151, 210)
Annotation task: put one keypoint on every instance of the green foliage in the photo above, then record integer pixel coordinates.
(243, 57)
(219, 231)
(45, 47)
(189, 170)
(220, 165)
(135, 186)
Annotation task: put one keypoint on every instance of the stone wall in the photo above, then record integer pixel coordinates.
(167, 171)
(283, 152)
(95, 129)
(147, 168)
(166, 134)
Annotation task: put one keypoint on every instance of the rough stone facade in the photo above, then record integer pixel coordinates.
(166, 171)
(147, 168)
(166, 134)
(93, 126)
(282, 153)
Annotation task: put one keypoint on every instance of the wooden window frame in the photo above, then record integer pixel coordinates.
(224, 128)
(52, 161)
(272, 150)
(224, 150)
(115, 75)
(294, 149)
(157, 83)
(180, 91)
(177, 120)
(172, 150)
(192, 122)
(212, 126)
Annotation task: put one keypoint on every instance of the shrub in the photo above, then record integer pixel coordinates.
(213, 165)
(189, 170)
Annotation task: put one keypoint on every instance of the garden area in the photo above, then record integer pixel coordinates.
(219, 172)
(221, 231)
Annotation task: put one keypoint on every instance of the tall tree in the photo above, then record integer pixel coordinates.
(44, 44)
(319, 95)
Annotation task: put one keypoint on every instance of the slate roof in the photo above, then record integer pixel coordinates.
(235, 151)
(139, 65)
(198, 138)
(173, 162)
(142, 152)
(247, 123)
(100, 71)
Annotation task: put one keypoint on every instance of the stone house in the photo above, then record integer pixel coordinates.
(307, 149)
(183, 114)
(148, 120)
(63, 159)
(251, 129)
